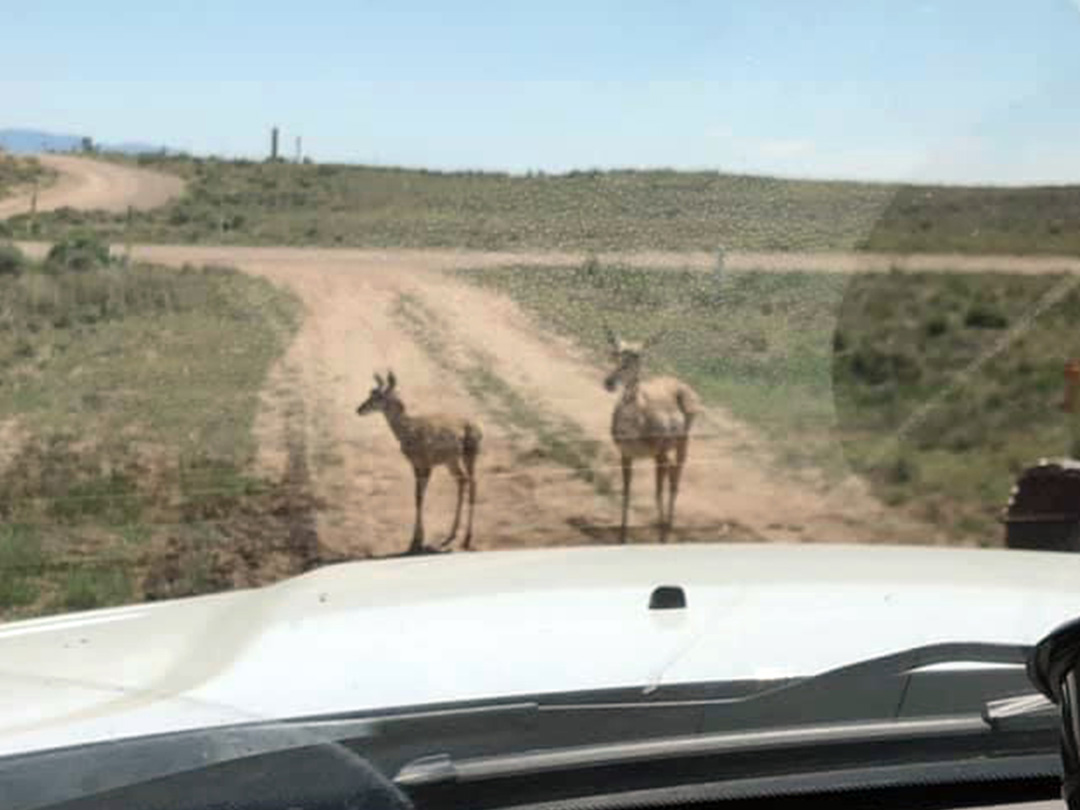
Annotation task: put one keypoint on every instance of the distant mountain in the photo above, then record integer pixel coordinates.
(135, 148)
(23, 141)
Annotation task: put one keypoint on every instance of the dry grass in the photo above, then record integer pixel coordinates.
(244, 202)
(19, 171)
(135, 390)
(839, 371)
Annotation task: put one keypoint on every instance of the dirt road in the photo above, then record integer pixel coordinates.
(457, 348)
(736, 260)
(548, 468)
(95, 184)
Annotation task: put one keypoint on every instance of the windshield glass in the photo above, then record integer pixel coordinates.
(288, 287)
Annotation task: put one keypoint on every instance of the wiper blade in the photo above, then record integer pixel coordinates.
(907, 695)
(443, 768)
(934, 680)
(999, 713)
(934, 704)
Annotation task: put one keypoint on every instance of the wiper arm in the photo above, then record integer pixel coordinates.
(1015, 710)
(443, 768)
(886, 687)
(901, 708)
(807, 758)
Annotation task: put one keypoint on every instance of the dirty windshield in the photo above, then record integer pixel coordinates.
(289, 286)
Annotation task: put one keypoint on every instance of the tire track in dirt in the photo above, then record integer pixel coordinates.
(309, 435)
(536, 261)
(352, 329)
(498, 359)
(731, 486)
(465, 350)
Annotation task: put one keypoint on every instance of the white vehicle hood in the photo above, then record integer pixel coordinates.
(415, 631)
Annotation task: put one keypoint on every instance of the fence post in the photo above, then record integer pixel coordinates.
(33, 208)
(718, 274)
(127, 233)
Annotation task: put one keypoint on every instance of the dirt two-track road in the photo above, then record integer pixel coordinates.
(94, 184)
(369, 310)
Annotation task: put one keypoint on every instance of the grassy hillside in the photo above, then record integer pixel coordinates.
(837, 369)
(979, 220)
(948, 385)
(19, 171)
(244, 202)
(263, 203)
(126, 431)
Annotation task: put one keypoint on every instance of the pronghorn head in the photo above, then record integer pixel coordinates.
(381, 396)
(627, 358)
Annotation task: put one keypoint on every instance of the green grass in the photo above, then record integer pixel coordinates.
(173, 358)
(245, 202)
(86, 588)
(1034, 220)
(761, 344)
(558, 440)
(948, 385)
(938, 388)
(552, 438)
(22, 561)
(134, 391)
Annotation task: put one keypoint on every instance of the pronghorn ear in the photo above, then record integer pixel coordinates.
(391, 380)
(379, 382)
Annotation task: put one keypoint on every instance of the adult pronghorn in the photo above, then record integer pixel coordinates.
(428, 442)
(652, 419)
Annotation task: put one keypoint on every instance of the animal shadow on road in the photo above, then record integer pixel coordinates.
(426, 551)
(609, 533)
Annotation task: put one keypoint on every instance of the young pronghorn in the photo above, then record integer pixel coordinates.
(428, 442)
(652, 418)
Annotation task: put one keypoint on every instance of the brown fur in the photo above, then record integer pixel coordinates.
(430, 441)
(652, 418)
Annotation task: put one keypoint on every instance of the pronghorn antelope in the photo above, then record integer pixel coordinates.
(428, 442)
(652, 419)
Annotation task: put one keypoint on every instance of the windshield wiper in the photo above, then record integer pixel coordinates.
(946, 703)
(894, 708)
(998, 713)
(710, 767)
(442, 768)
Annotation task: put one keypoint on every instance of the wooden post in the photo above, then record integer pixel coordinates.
(33, 209)
(127, 233)
(718, 275)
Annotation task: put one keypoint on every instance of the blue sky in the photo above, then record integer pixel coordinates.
(956, 91)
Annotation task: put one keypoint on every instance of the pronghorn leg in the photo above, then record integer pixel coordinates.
(627, 474)
(423, 475)
(662, 472)
(470, 468)
(458, 472)
(674, 474)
